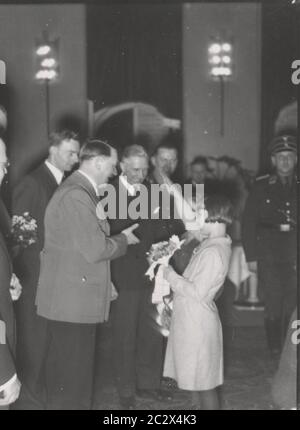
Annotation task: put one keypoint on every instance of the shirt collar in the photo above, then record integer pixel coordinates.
(132, 189)
(91, 181)
(286, 180)
(58, 174)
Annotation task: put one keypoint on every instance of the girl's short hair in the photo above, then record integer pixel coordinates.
(219, 209)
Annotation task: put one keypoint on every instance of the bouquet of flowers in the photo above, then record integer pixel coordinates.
(24, 230)
(159, 255)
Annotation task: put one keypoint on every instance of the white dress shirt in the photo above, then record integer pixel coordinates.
(58, 174)
(132, 189)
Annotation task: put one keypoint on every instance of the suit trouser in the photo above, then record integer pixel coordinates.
(278, 281)
(69, 365)
(31, 336)
(137, 342)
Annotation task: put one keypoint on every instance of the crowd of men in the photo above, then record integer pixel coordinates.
(66, 277)
(81, 262)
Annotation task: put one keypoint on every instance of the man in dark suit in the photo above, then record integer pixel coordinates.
(5, 220)
(199, 172)
(32, 195)
(74, 288)
(9, 383)
(164, 161)
(269, 235)
(137, 342)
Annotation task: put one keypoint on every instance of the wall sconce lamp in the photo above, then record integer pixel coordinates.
(220, 62)
(47, 66)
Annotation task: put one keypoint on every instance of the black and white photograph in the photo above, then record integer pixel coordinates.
(148, 207)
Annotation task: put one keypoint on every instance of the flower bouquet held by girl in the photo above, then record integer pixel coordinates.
(159, 255)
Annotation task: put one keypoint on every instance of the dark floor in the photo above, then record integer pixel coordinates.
(248, 374)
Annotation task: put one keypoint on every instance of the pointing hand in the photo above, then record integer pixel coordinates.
(131, 238)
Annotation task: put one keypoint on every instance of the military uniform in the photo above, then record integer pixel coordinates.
(269, 237)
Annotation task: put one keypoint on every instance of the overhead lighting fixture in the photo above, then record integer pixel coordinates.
(215, 48)
(47, 67)
(46, 74)
(226, 47)
(220, 54)
(48, 62)
(43, 50)
(46, 58)
(220, 68)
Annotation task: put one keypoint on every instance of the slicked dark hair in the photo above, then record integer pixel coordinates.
(94, 148)
(219, 209)
(200, 160)
(56, 137)
(165, 144)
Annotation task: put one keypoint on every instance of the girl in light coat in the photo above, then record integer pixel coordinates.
(194, 356)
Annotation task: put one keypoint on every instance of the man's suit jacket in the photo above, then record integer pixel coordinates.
(167, 227)
(32, 194)
(128, 271)
(7, 321)
(5, 221)
(75, 283)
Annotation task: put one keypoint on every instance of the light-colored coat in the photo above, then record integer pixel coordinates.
(74, 284)
(194, 356)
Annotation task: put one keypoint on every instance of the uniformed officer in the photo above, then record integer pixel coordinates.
(270, 238)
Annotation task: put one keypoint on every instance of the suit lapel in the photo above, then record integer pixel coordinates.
(49, 179)
(5, 220)
(85, 184)
(5, 250)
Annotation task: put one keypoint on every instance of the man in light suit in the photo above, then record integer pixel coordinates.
(32, 195)
(9, 383)
(74, 289)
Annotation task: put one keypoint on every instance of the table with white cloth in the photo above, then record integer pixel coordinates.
(239, 273)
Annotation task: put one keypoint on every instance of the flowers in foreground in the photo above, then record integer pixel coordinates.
(24, 230)
(160, 253)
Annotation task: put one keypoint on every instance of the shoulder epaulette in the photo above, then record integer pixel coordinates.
(260, 178)
(273, 179)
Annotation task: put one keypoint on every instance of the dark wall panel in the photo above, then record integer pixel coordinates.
(134, 54)
(280, 46)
